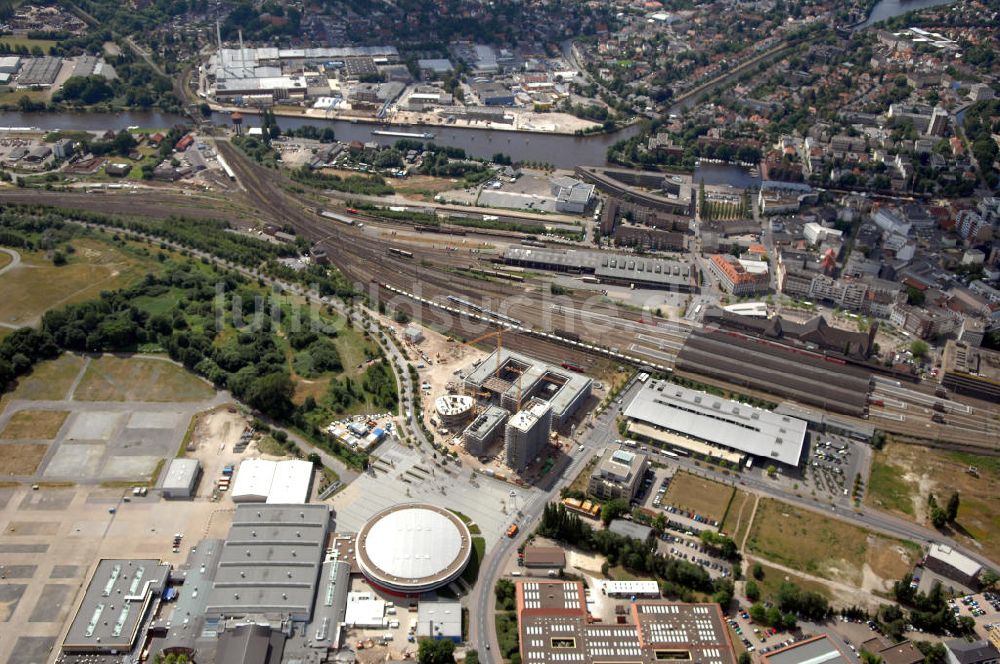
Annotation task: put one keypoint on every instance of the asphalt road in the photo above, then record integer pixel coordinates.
(481, 603)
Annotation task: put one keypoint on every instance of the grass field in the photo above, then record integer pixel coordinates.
(889, 490)
(699, 495)
(112, 378)
(774, 577)
(21, 458)
(50, 380)
(737, 520)
(903, 476)
(5, 259)
(37, 285)
(34, 425)
(17, 40)
(810, 542)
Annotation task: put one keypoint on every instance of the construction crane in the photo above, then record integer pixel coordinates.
(499, 336)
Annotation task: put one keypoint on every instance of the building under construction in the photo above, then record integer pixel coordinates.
(511, 380)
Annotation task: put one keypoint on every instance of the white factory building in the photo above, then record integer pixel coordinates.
(275, 482)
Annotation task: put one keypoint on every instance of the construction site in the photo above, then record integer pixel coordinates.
(511, 406)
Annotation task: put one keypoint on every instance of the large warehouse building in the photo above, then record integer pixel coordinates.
(118, 601)
(277, 482)
(413, 548)
(689, 419)
(270, 562)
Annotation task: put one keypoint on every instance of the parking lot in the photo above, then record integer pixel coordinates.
(830, 463)
(691, 550)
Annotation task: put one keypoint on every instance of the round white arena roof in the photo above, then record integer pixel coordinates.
(413, 548)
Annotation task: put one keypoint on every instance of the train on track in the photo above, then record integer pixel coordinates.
(344, 219)
(499, 274)
(429, 228)
(483, 310)
(401, 253)
(533, 243)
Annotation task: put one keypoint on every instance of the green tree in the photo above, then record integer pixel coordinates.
(752, 591)
(613, 509)
(919, 348)
(952, 509)
(436, 651)
(757, 571)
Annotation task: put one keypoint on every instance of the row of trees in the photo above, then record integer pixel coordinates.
(678, 578)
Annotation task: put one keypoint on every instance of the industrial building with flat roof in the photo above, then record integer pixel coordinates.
(181, 478)
(565, 391)
(439, 619)
(609, 268)
(116, 605)
(413, 548)
(618, 474)
(278, 482)
(730, 425)
(270, 562)
(953, 565)
(817, 650)
(554, 626)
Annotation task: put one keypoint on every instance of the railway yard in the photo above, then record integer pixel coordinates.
(416, 270)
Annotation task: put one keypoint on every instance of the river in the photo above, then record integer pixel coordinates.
(885, 9)
(561, 150)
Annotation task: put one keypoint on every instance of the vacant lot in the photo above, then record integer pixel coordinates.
(34, 425)
(37, 285)
(699, 495)
(50, 380)
(774, 577)
(737, 520)
(904, 476)
(21, 458)
(888, 488)
(810, 542)
(113, 378)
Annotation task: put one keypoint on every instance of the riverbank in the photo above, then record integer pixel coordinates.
(526, 122)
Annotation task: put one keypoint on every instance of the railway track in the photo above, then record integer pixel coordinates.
(363, 258)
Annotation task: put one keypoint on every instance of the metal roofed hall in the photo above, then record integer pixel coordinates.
(181, 478)
(291, 483)
(115, 606)
(271, 561)
(728, 424)
(817, 650)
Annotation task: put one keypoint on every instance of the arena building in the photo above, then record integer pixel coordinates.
(413, 548)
